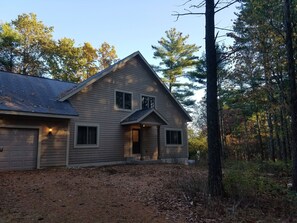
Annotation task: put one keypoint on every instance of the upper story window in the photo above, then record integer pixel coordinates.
(173, 137)
(148, 102)
(123, 100)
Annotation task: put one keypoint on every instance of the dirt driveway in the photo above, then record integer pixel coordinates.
(125, 193)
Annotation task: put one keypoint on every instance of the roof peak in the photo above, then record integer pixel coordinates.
(95, 77)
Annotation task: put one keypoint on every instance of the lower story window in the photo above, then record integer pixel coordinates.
(173, 137)
(87, 135)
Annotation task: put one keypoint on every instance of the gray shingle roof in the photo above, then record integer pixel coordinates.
(140, 115)
(135, 116)
(22, 93)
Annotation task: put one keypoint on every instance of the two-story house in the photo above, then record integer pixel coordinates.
(122, 113)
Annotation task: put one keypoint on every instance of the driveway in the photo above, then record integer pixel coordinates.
(125, 193)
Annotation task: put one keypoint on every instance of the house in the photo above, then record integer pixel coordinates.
(120, 114)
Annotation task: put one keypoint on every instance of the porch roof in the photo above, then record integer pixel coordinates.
(145, 116)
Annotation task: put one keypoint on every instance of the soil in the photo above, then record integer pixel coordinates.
(124, 193)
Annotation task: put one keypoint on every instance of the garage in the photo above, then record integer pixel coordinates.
(18, 148)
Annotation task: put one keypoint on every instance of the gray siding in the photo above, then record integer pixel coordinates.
(53, 148)
(95, 104)
(150, 142)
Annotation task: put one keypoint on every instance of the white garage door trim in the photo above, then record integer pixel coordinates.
(29, 127)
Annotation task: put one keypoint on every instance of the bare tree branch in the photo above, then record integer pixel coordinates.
(217, 3)
(224, 29)
(200, 5)
(226, 6)
(177, 14)
(184, 3)
(215, 39)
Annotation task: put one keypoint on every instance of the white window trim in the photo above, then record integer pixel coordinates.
(146, 95)
(115, 102)
(86, 124)
(174, 129)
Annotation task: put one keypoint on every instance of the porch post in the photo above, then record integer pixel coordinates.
(159, 141)
(142, 154)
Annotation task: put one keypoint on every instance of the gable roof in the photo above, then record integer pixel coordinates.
(34, 96)
(140, 116)
(67, 94)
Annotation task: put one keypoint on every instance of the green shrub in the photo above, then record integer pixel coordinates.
(245, 180)
(279, 168)
(240, 184)
(197, 143)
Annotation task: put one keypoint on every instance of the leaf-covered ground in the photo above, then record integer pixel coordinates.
(127, 193)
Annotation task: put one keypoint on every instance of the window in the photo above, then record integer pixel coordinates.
(123, 100)
(86, 135)
(173, 137)
(147, 102)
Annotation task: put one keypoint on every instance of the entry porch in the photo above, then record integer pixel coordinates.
(142, 135)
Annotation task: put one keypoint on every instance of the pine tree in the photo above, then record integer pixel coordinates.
(177, 58)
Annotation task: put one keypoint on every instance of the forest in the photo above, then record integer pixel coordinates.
(255, 94)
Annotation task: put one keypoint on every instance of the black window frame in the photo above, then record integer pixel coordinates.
(173, 137)
(86, 135)
(123, 100)
(149, 101)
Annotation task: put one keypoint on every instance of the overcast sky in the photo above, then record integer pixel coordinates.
(130, 25)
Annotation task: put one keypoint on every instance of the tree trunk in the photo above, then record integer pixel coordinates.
(259, 136)
(222, 133)
(293, 92)
(277, 137)
(246, 139)
(271, 137)
(284, 138)
(215, 184)
(288, 139)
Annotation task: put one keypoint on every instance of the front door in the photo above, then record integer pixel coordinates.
(135, 141)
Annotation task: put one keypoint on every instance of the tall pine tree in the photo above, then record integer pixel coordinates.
(177, 58)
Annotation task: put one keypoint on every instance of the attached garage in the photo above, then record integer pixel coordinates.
(18, 148)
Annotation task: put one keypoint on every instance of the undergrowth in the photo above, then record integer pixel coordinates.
(249, 186)
(261, 185)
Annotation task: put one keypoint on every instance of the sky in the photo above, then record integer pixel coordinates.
(130, 25)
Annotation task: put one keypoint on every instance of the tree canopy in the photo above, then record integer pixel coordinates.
(27, 47)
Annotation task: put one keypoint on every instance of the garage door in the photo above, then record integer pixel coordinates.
(18, 148)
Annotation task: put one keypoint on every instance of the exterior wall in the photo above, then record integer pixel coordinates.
(96, 104)
(53, 147)
(150, 142)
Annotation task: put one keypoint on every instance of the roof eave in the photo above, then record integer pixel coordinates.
(37, 114)
(142, 123)
(139, 121)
